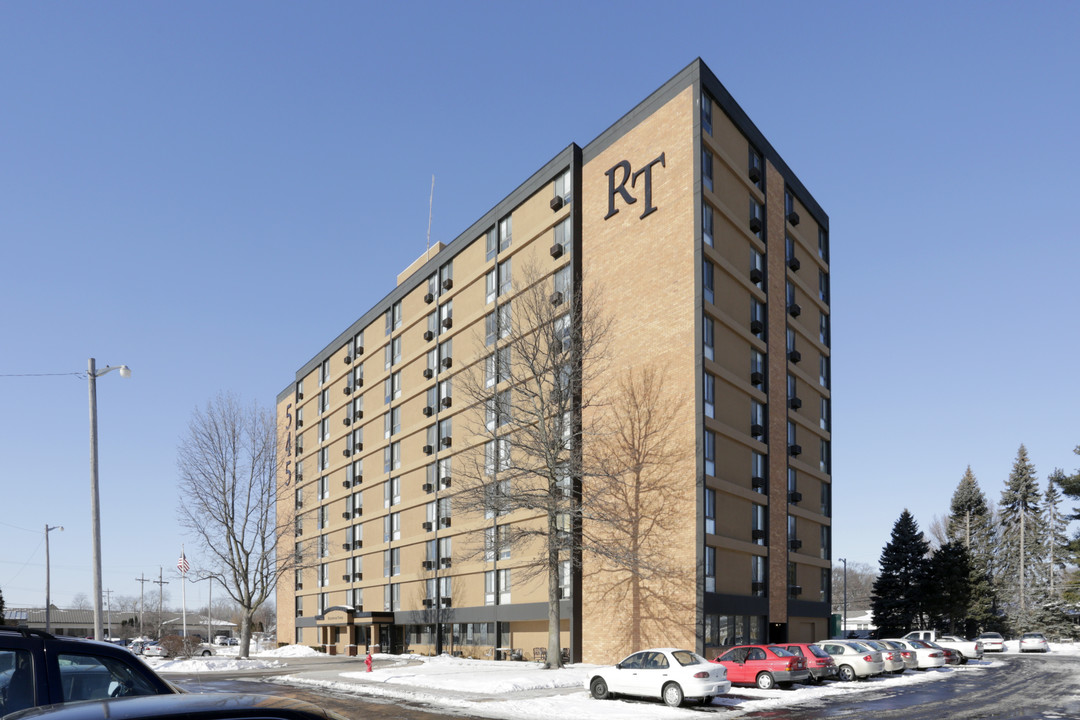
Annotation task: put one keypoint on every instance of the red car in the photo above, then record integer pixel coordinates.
(821, 664)
(763, 665)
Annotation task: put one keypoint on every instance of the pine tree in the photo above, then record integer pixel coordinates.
(971, 523)
(1021, 538)
(1, 606)
(947, 591)
(1056, 541)
(897, 600)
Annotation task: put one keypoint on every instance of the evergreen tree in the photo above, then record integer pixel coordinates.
(947, 592)
(897, 600)
(1021, 539)
(971, 523)
(1056, 541)
(1, 606)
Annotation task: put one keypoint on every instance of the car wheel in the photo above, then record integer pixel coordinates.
(963, 658)
(673, 695)
(205, 653)
(847, 673)
(765, 681)
(706, 700)
(598, 688)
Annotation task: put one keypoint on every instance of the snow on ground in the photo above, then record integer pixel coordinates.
(526, 691)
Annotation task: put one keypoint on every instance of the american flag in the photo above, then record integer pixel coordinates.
(182, 564)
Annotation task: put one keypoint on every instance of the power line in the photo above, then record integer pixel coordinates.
(77, 374)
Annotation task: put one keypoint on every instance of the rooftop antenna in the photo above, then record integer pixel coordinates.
(431, 200)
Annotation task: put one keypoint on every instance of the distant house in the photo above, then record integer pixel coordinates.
(859, 622)
(198, 625)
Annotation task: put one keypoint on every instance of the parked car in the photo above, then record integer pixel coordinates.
(763, 665)
(952, 656)
(894, 661)
(910, 658)
(853, 659)
(154, 649)
(962, 648)
(37, 668)
(1033, 642)
(670, 674)
(992, 642)
(927, 657)
(186, 706)
(820, 663)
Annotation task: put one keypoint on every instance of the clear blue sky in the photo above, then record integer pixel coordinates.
(189, 188)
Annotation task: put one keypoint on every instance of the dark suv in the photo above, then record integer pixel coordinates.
(37, 668)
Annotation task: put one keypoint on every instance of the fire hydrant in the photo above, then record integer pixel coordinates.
(367, 661)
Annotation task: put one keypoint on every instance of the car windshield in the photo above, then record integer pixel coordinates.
(781, 652)
(990, 636)
(818, 652)
(858, 646)
(1033, 636)
(687, 657)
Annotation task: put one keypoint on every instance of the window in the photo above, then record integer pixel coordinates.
(446, 390)
(324, 458)
(393, 317)
(324, 602)
(756, 169)
(392, 457)
(825, 463)
(564, 235)
(324, 372)
(497, 585)
(710, 511)
(793, 580)
(789, 205)
(299, 391)
(823, 286)
(562, 333)
(505, 325)
(706, 113)
(392, 354)
(757, 318)
(392, 597)
(757, 268)
(565, 579)
(707, 338)
(823, 376)
(446, 276)
(501, 448)
(789, 289)
(826, 499)
(710, 569)
(823, 332)
(432, 324)
(323, 575)
(446, 352)
(355, 472)
(563, 282)
(446, 429)
(757, 368)
(792, 480)
(299, 498)
(825, 422)
(706, 169)
(758, 523)
(324, 401)
(491, 327)
(790, 340)
(505, 279)
(324, 488)
(506, 231)
(707, 281)
(490, 285)
(433, 286)
(792, 387)
(759, 472)
(446, 315)
(710, 396)
(491, 244)
(707, 224)
(710, 453)
(823, 244)
(757, 575)
(395, 384)
(789, 249)
(392, 492)
(564, 187)
(101, 674)
(322, 517)
(392, 527)
(358, 380)
(825, 542)
(324, 430)
(792, 435)
(757, 218)
(757, 418)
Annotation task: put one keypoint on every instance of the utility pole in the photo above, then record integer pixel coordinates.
(142, 602)
(48, 600)
(161, 594)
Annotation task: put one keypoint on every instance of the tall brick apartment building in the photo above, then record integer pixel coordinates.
(714, 260)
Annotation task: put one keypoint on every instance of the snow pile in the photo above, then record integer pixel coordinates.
(483, 676)
(209, 664)
(290, 651)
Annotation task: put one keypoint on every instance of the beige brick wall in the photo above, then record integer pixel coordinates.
(644, 270)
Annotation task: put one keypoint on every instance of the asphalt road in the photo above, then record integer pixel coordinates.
(1023, 687)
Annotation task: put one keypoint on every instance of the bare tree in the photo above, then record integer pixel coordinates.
(860, 586)
(524, 461)
(228, 470)
(629, 511)
(80, 602)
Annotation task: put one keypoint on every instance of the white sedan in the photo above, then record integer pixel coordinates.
(666, 673)
(926, 656)
(1033, 642)
(992, 642)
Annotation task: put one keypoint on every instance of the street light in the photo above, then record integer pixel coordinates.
(48, 602)
(92, 374)
(844, 630)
